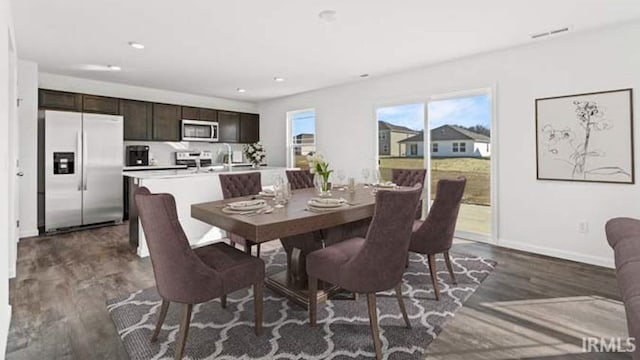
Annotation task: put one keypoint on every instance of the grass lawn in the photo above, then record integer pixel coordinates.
(477, 171)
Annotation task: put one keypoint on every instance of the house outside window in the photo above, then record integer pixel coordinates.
(301, 137)
(463, 147)
(434, 147)
(413, 149)
(455, 147)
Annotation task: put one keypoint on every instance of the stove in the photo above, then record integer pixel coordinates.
(189, 158)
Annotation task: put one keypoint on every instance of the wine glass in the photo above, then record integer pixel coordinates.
(377, 177)
(278, 192)
(365, 176)
(317, 182)
(341, 176)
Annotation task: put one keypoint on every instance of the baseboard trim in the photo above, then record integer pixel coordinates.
(607, 262)
(29, 233)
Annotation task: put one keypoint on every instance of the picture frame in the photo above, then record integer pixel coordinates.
(586, 137)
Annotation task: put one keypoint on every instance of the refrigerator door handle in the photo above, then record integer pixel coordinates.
(80, 156)
(84, 160)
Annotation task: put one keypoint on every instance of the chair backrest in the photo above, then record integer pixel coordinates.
(180, 274)
(623, 234)
(300, 179)
(244, 184)
(380, 263)
(409, 177)
(436, 233)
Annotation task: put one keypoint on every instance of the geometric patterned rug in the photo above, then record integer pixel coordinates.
(343, 325)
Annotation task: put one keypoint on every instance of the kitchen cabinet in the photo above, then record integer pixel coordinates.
(228, 126)
(166, 122)
(100, 104)
(249, 128)
(202, 114)
(59, 100)
(138, 119)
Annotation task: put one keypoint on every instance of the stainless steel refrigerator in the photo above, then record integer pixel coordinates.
(82, 169)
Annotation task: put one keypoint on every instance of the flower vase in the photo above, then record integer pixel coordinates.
(323, 186)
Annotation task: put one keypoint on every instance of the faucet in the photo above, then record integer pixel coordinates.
(229, 155)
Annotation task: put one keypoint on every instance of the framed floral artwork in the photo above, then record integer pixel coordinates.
(586, 137)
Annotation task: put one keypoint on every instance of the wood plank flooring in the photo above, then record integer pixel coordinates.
(63, 282)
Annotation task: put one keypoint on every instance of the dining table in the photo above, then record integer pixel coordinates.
(300, 228)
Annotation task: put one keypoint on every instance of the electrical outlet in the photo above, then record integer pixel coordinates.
(583, 227)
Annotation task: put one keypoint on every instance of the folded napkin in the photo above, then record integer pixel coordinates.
(247, 204)
(328, 201)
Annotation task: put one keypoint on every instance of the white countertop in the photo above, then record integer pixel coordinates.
(184, 173)
(154, 167)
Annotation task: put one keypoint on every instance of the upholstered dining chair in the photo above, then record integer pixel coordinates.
(410, 177)
(623, 235)
(371, 264)
(300, 179)
(237, 185)
(188, 276)
(434, 235)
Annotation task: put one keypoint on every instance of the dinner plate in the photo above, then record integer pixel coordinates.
(267, 193)
(386, 185)
(247, 205)
(313, 208)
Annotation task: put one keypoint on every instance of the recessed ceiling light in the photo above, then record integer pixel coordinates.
(136, 45)
(114, 67)
(328, 15)
(278, 79)
(241, 90)
(364, 75)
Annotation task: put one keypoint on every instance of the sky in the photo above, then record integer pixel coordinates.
(467, 111)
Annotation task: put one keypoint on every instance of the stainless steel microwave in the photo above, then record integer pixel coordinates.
(194, 130)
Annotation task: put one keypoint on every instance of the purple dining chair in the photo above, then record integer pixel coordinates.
(238, 185)
(187, 276)
(434, 235)
(410, 177)
(371, 264)
(300, 179)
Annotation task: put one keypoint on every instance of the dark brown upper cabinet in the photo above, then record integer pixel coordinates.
(194, 113)
(208, 115)
(166, 122)
(138, 119)
(229, 126)
(59, 100)
(191, 113)
(249, 128)
(100, 104)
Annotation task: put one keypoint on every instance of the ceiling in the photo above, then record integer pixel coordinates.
(214, 47)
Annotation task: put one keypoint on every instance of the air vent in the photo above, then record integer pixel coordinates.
(550, 32)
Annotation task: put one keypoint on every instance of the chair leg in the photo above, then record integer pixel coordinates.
(313, 301)
(223, 301)
(258, 305)
(447, 259)
(434, 274)
(163, 314)
(258, 249)
(403, 309)
(373, 321)
(184, 330)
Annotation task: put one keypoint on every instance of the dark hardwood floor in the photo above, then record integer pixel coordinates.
(63, 281)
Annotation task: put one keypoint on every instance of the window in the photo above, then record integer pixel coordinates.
(455, 147)
(463, 147)
(301, 137)
(434, 147)
(385, 148)
(413, 149)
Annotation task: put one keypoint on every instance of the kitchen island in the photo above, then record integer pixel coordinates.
(188, 186)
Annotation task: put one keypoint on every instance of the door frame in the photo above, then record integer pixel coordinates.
(13, 155)
(491, 90)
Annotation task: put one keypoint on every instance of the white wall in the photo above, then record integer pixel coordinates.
(74, 84)
(6, 33)
(28, 151)
(538, 216)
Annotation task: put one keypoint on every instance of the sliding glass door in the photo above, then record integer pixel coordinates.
(457, 143)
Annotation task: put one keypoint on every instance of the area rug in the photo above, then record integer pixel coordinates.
(343, 325)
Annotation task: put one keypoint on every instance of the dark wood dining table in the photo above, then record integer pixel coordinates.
(300, 230)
